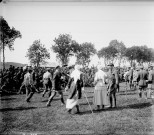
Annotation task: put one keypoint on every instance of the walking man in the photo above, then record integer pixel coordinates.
(29, 84)
(75, 86)
(47, 82)
(56, 86)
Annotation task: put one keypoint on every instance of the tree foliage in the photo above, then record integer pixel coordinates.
(108, 53)
(139, 53)
(64, 47)
(86, 50)
(8, 34)
(37, 53)
(121, 49)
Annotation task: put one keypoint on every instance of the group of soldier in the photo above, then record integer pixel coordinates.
(60, 79)
(142, 79)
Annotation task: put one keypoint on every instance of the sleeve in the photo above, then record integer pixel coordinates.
(117, 78)
(54, 80)
(150, 77)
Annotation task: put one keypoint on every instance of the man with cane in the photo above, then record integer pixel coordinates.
(75, 85)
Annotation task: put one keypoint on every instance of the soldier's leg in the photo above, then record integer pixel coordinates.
(111, 100)
(53, 94)
(50, 89)
(77, 108)
(45, 89)
(114, 97)
(31, 93)
(61, 97)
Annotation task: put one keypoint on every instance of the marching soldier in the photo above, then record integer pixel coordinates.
(29, 84)
(56, 86)
(47, 81)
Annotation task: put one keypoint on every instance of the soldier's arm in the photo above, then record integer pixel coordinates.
(54, 80)
(117, 77)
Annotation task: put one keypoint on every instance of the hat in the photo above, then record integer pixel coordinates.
(65, 65)
(70, 67)
(77, 67)
(57, 67)
(110, 64)
(141, 67)
(48, 69)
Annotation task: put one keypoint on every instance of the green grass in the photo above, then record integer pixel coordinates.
(133, 116)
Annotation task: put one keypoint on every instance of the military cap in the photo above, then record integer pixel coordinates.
(110, 64)
(57, 67)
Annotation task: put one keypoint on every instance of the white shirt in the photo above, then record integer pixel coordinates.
(47, 75)
(28, 78)
(100, 75)
(75, 75)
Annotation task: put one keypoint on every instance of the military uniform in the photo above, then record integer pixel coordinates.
(56, 86)
(142, 78)
(150, 92)
(113, 81)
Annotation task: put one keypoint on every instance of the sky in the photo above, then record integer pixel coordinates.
(95, 22)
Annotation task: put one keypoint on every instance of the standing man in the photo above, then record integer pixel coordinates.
(113, 81)
(142, 78)
(47, 82)
(150, 92)
(56, 86)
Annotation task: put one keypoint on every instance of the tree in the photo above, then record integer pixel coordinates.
(108, 53)
(37, 53)
(121, 49)
(141, 54)
(85, 52)
(8, 36)
(64, 47)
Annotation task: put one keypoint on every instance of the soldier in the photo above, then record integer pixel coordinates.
(56, 86)
(150, 92)
(142, 78)
(113, 81)
(47, 81)
(29, 84)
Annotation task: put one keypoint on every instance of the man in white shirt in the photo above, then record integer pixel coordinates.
(29, 84)
(47, 81)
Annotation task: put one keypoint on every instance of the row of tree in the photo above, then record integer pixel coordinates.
(65, 47)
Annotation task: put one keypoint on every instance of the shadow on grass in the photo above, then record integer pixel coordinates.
(55, 99)
(132, 106)
(6, 99)
(126, 93)
(17, 109)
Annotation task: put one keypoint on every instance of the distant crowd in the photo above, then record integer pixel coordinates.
(105, 80)
(11, 79)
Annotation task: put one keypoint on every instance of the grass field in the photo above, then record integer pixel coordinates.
(133, 116)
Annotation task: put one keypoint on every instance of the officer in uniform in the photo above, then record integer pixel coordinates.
(142, 78)
(150, 92)
(113, 81)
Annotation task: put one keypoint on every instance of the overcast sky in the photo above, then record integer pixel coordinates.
(98, 23)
